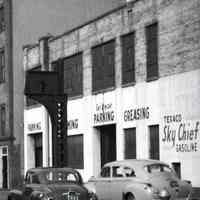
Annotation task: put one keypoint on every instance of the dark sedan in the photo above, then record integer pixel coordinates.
(51, 184)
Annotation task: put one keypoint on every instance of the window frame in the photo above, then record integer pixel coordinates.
(99, 64)
(74, 60)
(81, 157)
(153, 153)
(106, 167)
(127, 133)
(152, 59)
(2, 18)
(2, 66)
(124, 54)
(3, 119)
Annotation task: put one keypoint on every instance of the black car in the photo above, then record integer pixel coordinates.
(51, 184)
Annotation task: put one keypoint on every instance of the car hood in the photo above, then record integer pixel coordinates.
(173, 184)
(60, 190)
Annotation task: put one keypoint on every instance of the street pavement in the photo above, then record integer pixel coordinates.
(4, 194)
(195, 194)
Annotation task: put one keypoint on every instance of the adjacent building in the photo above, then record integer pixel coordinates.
(132, 77)
(22, 22)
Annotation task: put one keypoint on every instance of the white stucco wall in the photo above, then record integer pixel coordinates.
(35, 121)
(161, 100)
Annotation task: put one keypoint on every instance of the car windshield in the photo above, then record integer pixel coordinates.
(153, 168)
(51, 177)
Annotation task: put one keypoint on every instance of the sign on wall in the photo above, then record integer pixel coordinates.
(104, 109)
(134, 114)
(34, 127)
(182, 136)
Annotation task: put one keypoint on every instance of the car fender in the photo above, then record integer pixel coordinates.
(90, 186)
(16, 194)
(137, 189)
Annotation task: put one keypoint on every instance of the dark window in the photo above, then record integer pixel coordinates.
(105, 172)
(3, 119)
(29, 101)
(108, 143)
(103, 70)
(130, 143)
(152, 51)
(73, 75)
(154, 142)
(75, 151)
(38, 150)
(177, 168)
(2, 66)
(117, 171)
(129, 172)
(128, 58)
(2, 22)
(5, 171)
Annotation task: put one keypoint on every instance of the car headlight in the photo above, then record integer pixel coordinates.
(92, 196)
(43, 196)
(164, 194)
(149, 188)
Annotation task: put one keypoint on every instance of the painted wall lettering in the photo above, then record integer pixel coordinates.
(34, 126)
(181, 135)
(104, 113)
(72, 124)
(136, 114)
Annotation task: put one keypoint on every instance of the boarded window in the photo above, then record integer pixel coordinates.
(73, 75)
(154, 142)
(152, 51)
(3, 119)
(130, 143)
(2, 66)
(103, 70)
(75, 151)
(2, 19)
(128, 58)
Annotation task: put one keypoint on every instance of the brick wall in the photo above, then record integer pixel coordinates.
(179, 37)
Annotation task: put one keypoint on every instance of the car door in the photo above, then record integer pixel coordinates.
(121, 177)
(116, 184)
(103, 184)
(31, 184)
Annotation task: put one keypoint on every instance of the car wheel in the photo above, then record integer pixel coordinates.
(130, 197)
(94, 197)
(11, 198)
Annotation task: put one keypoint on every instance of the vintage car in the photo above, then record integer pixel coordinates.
(51, 184)
(138, 180)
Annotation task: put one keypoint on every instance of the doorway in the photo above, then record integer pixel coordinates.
(3, 167)
(107, 143)
(38, 150)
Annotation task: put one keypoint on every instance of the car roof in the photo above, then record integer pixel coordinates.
(134, 162)
(39, 169)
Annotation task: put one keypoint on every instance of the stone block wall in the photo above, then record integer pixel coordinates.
(178, 35)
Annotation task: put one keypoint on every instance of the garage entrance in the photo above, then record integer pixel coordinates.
(107, 143)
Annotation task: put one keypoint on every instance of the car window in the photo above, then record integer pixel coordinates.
(34, 179)
(105, 172)
(129, 172)
(27, 178)
(153, 168)
(117, 171)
